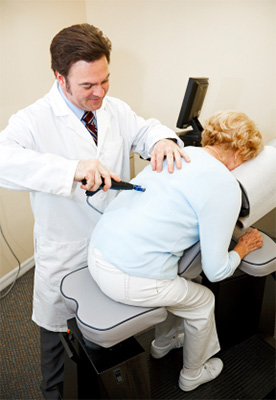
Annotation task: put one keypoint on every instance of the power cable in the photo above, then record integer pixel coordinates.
(19, 265)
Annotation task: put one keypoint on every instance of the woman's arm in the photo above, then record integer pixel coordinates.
(221, 202)
(217, 221)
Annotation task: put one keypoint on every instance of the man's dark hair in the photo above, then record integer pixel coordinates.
(78, 42)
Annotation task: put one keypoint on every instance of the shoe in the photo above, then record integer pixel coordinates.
(210, 370)
(159, 352)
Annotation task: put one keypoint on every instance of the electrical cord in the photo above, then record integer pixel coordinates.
(19, 265)
(90, 205)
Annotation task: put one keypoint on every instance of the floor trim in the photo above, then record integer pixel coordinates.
(7, 279)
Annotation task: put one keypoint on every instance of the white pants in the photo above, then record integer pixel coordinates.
(190, 307)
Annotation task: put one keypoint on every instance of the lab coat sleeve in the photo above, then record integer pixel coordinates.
(142, 134)
(217, 219)
(150, 132)
(23, 168)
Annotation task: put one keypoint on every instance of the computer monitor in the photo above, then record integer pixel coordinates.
(191, 109)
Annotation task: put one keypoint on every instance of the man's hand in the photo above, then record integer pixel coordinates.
(167, 148)
(95, 174)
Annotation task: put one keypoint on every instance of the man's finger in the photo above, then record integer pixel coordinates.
(153, 161)
(184, 155)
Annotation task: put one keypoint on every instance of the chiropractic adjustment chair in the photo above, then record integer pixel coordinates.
(104, 359)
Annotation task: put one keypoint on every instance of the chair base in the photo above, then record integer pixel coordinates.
(241, 306)
(95, 372)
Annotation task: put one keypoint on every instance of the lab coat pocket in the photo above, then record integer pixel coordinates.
(54, 259)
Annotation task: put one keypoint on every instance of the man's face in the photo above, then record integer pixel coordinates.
(86, 84)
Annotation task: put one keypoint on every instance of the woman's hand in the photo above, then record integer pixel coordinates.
(169, 149)
(248, 242)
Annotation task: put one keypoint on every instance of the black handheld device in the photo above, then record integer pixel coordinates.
(115, 186)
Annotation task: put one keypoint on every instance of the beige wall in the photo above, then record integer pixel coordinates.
(157, 45)
(26, 30)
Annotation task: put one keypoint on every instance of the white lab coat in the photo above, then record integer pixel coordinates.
(39, 152)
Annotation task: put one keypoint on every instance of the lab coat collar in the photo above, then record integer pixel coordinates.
(60, 109)
(103, 119)
(59, 106)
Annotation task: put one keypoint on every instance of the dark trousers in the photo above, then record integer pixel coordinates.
(52, 363)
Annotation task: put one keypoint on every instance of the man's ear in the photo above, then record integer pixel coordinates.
(60, 78)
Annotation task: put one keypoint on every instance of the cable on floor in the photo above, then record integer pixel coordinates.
(19, 265)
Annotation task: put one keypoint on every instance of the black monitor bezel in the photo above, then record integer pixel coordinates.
(188, 115)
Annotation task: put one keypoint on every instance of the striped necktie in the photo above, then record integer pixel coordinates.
(90, 123)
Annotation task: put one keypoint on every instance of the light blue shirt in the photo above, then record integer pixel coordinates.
(145, 233)
(77, 111)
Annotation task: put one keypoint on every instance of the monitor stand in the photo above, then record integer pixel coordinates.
(192, 137)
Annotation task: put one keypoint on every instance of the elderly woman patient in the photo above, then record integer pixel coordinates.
(136, 246)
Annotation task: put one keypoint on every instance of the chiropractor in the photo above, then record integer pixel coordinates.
(47, 149)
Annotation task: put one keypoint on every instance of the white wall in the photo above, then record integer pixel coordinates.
(159, 44)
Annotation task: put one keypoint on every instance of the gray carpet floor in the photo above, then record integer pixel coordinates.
(19, 339)
(249, 371)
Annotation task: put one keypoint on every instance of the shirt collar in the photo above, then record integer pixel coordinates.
(77, 111)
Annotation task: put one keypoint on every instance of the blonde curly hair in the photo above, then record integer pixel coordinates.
(233, 130)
